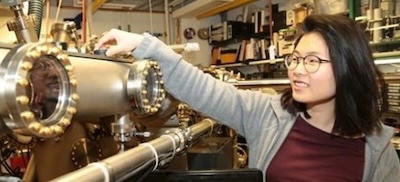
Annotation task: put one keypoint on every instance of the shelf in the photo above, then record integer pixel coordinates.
(251, 63)
(387, 57)
(381, 59)
(385, 45)
(387, 61)
(273, 81)
(277, 60)
(230, 65)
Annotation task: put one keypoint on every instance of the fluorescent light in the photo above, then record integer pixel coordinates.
(197, 7)
(109, 5)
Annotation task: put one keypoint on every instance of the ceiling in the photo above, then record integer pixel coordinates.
(142, 5)
(139, 5)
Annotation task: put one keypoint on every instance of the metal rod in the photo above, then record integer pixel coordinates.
(167, 19)
(120, 165)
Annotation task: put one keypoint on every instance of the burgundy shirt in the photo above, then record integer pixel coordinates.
(312, 155)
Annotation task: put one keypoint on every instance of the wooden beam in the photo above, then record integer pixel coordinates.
(223, 8)
(96, 4)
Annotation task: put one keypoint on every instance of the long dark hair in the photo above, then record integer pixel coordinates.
(360, 87)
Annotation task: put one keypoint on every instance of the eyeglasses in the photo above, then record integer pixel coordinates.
(311, 63)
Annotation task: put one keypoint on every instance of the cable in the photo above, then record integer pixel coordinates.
(145, 165)
(58, 10)
(5, 154)
(212, 127)
(84, 24)
(145, 175)
(154, 152)
(47, 19)
(173, 143)
(103, 168)
(151, 16)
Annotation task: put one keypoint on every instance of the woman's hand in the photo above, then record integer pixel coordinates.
(125, 41)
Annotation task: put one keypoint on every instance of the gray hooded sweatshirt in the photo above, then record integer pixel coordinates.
(258, 117)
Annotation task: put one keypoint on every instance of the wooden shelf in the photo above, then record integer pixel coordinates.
(251, 63)
(272, 81)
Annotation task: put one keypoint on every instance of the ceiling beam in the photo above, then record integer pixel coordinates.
(154, 3)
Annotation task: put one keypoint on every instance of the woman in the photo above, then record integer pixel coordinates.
(325, 128)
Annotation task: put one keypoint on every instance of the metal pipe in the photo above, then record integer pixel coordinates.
(22, 25)
(29, 174)
(167, 27)
(36, 9)
(115, 83)
(380, 55)
(123, 164)
(108, 81)
(374, 4)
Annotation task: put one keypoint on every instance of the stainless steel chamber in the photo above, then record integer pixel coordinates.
(43, 88)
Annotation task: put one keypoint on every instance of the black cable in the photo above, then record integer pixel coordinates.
(162, 157)
(146, 173)
(3, 161)
(9, 171)
(132, 173)
(5, 154)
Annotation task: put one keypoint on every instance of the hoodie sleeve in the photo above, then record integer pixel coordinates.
(212, 97)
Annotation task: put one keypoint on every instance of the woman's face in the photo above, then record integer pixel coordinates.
(316, 87)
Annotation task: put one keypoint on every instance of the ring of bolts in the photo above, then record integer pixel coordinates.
(27, 116)
(151, 107)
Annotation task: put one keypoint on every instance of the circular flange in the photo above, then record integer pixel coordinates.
(38, 93)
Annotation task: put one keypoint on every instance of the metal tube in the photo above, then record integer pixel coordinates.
(22, 25)
(198, 130)
(106, 86)
(167, 19)
(29, 174)
(101, 87)
(36, 9)
(122, 164)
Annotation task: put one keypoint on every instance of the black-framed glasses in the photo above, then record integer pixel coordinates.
(311, 63)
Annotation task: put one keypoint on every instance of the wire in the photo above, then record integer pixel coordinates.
(103, 169)
(151, 16)
(173, 144)
(148, 165)
(145, 165)
(58, 10)
(149, 170)
(5, 154)
(47, 19)
(270, 18)
(84, 24)
(239, 17)
(154, 152)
